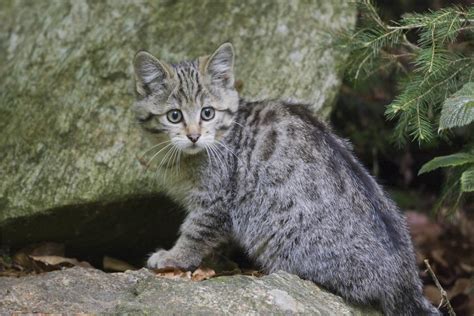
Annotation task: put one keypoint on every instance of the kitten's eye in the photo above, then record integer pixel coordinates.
(207, 113)
(174, 116)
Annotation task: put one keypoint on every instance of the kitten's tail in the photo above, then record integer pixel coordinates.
(417, 305)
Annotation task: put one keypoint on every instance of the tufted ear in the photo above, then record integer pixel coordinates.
(152, 75)
(220, 66)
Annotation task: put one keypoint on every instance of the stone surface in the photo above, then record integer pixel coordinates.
(80, 290)
(69, 143)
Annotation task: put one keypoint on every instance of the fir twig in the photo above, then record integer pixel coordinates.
(430, 68)
(405, 105)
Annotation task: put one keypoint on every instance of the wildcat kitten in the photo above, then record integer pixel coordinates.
(271, 176)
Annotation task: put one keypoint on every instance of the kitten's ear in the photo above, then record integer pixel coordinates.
(220, 66)
(151, 74)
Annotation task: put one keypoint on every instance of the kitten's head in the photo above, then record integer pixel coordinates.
(192, 103)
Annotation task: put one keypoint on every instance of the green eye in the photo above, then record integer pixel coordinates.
(207, 113)
(174, 116)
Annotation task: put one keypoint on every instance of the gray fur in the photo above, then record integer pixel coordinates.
(272, 177)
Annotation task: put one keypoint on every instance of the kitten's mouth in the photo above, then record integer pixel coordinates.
(192, 149)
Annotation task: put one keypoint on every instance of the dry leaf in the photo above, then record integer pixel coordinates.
(113, 264)
(203, 274)
(9, 268)
(25, 263)
(22, 260)
(47, 249)
(462, 286)
(43, 249)
(230, 272)
(57, 262)
(172, 273)
(466, 268)
(199, 274)
(253, 273)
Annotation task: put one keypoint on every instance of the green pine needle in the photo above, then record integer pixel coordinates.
(430, 74)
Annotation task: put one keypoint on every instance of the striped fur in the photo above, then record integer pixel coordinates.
(272, 177)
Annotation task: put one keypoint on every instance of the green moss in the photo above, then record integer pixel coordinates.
(67, 86)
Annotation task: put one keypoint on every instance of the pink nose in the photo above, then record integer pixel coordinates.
(193, 137)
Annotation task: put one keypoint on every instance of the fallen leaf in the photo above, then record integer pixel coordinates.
(462, 286)
(23, 258)
(203, 274)
(22, 261)
(47, 249)
(229, 272)
(43, 249)
(113, 264)
(466, 267)
(173, 273)
(9, 268)
(253, 273)
(57, 262)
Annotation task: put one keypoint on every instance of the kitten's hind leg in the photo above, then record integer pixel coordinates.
(202, 231)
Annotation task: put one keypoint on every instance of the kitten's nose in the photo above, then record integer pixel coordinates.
(193, 137)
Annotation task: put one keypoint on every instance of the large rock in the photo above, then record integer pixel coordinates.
(68, 144)
(80, 290)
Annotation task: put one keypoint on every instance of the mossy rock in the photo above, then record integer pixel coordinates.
(69, 144)
(80, 290)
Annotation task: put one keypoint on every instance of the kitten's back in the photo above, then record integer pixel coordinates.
(304, 204)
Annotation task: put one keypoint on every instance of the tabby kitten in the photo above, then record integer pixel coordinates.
(272, 177)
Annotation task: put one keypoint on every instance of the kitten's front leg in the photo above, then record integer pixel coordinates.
(202, 231)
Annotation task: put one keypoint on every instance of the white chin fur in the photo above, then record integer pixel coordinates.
(192, 150)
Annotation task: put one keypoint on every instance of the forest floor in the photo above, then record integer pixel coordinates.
(449, 247)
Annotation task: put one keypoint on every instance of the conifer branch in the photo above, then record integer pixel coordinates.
(430, 69)
(432, 49)
(421, 96)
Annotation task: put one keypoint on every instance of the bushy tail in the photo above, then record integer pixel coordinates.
(416, 306)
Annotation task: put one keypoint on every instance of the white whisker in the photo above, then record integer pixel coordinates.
(227, 148)
(175, 161)
(178, 169)
(219, 154)
(237, 123)
(163, 159)
(209, 155)
(153, 147)
(148, 164)
(167, 161)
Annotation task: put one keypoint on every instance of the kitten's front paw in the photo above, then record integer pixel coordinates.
(162, 259)
(168, 258)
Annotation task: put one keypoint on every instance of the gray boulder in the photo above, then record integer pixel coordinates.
(69, 146)
(79, 290)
